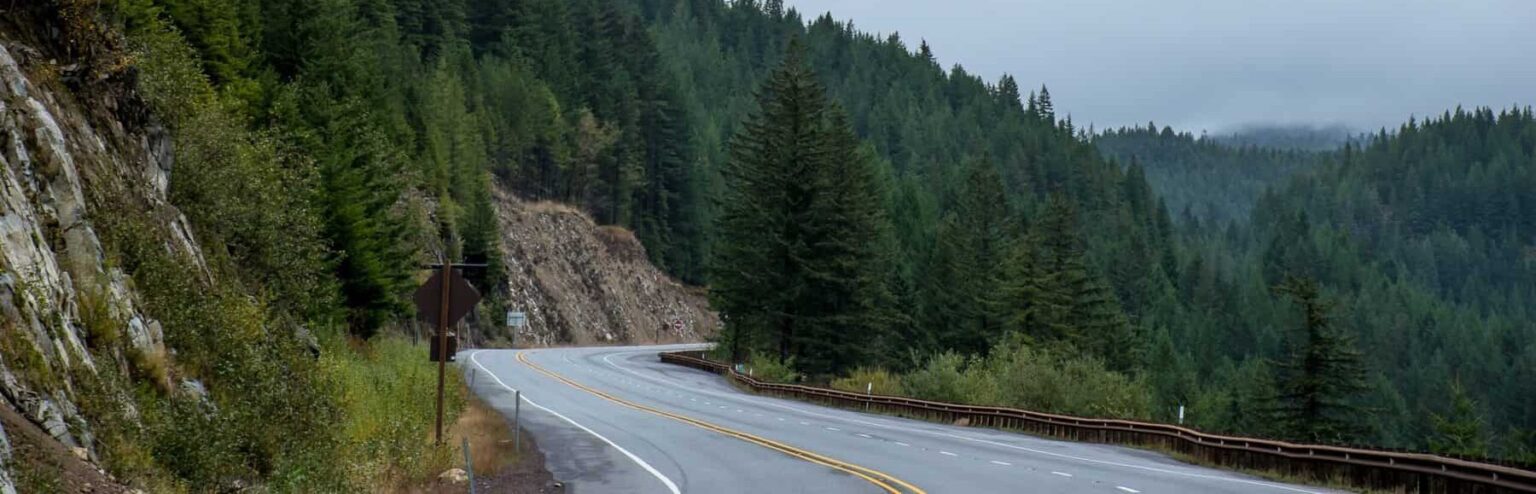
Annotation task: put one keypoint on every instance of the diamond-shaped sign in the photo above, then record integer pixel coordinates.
(461, 297)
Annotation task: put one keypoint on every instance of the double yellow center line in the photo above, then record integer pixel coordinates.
(882, 480)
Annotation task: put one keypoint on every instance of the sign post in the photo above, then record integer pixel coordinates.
(445, 298)
(516, 320)
(442, 338)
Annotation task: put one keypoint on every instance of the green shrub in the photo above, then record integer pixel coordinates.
(769, 368)
(1038, 379)
(1020, 376)
(947, 377)
(863, 379)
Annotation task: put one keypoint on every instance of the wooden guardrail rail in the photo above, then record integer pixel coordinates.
(1367, 468)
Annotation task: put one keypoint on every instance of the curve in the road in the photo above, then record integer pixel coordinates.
(878, 478)
(617, 392)
(806, 411)
(671, 486)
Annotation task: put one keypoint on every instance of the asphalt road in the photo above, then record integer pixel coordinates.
(615, 419)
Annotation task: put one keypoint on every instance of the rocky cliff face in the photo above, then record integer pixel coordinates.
(585, 284)
(62, 133)
(73, 142)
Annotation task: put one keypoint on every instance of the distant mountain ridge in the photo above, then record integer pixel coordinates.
(1208, 179)
(1303, 137)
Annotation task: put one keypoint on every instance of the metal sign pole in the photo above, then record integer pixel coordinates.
(442, 348)
(448, 313)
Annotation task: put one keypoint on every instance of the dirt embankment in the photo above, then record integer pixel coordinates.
(585, 284)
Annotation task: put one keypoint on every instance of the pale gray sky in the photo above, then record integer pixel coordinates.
(1219, 64)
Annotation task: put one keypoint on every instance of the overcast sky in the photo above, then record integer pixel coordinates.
(1219, 64)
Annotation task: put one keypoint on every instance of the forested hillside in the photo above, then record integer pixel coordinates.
(1291, 137)
(1204, 179)
(1423, 236)
(965, 167)
(1441, 219)
(1011, 240)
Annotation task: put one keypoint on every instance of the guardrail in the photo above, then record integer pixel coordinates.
(1367, 468)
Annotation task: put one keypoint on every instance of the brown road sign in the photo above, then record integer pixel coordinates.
(462, 297)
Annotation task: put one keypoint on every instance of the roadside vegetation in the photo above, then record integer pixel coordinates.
(1015, 375)
(274, 373)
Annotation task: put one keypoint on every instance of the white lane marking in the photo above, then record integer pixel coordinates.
(671, 487)
(1127, 489)
(899, 443)
(1003, 463)
(833, 429)
(781, 419)
(738, 410)
(946, 453)
(904, 428)
(865, 436)
(1063, 474)
(805, 423)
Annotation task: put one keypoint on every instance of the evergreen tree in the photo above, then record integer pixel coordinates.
(1321, 376)
(978, 239)
(1044, 107)
(798, 270)
(758, 275)
(845, 294)
(1008, 96)
(1459, 432)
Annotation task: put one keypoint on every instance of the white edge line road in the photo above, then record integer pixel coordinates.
(748, 397)
(647, 466)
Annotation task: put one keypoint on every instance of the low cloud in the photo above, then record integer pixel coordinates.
(1220, 64)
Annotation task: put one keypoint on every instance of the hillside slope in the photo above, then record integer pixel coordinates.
(170, 312)
(61, 150)
(587, 284)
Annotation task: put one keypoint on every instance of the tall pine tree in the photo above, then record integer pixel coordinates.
(1320, 378)
(797, 269)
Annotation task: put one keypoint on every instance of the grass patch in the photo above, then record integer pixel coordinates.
(102, 331)
(489, 435)
(23, 357)
(388, 391)
(150, 366)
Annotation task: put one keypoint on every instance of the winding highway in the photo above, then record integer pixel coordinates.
(615, 420)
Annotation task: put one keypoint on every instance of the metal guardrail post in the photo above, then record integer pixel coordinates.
(469, 466)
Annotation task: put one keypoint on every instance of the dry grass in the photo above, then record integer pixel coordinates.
(621, 243)
(489, 434)
(490, 446)
(152, 365)
(552, 207)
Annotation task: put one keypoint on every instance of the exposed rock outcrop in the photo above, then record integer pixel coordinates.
(56, 143)
(585, 284)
